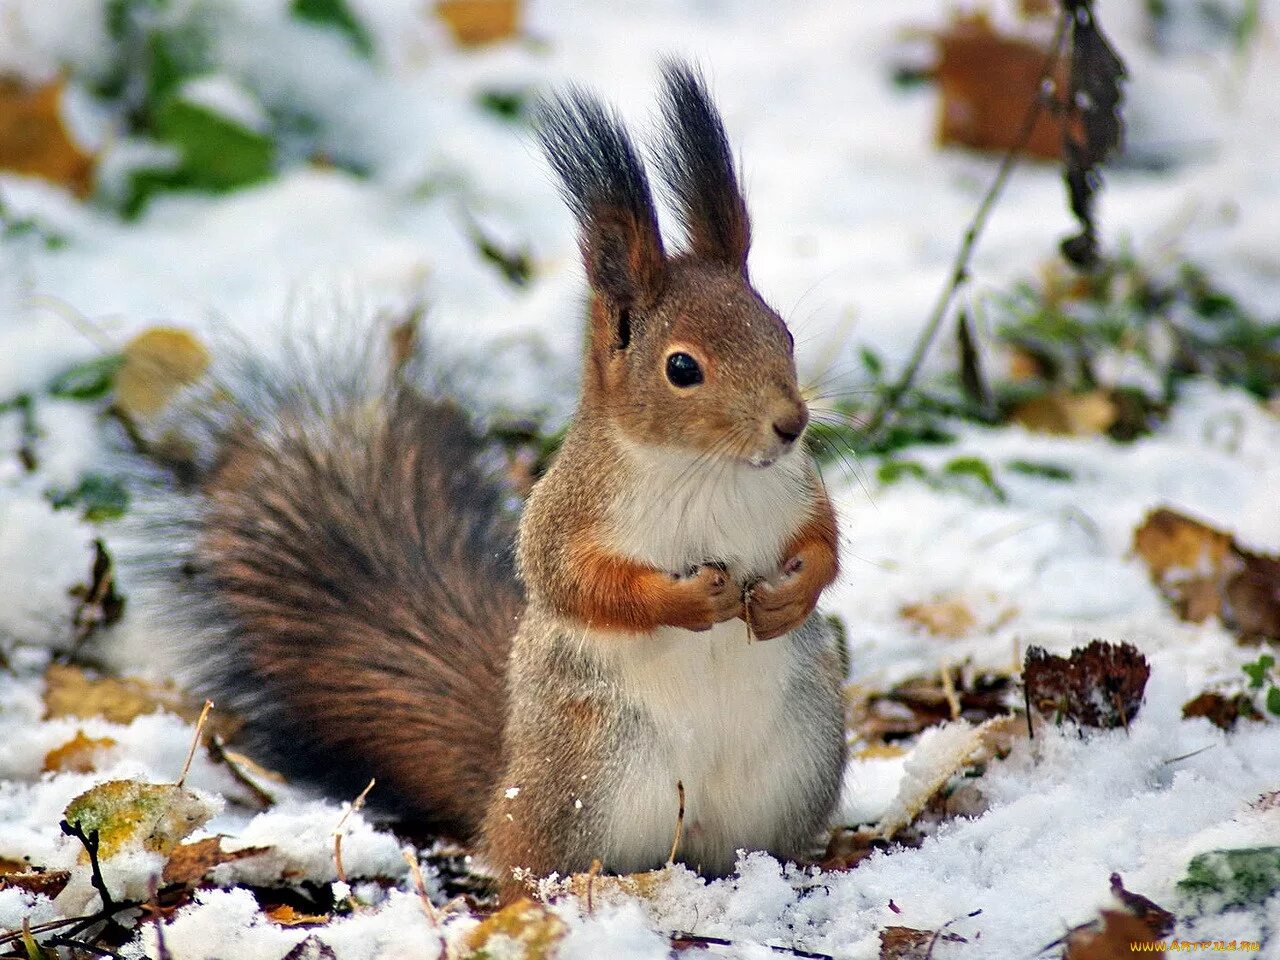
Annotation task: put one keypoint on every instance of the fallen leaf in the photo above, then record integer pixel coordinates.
(73, 692)
(189, 863)
(848, 848)
(949, 617)
(157, 364)
(1187, 560)
(922, 702)
(34, 141)
(533, 930)
(286, 916)
(311, 948)
(1253, 597)
(1068, 414)
(132, 814)
(617, 889)
(987, 79)
(1100, 685)
(1111, 937)
(1221, 710)
(48, 883)
(1204, 572)
(80, 754)
(942, 753)
(1157, 918)
(905, 943)
(474, 23)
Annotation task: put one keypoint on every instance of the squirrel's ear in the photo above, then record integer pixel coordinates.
(697, 165)
(605, 185)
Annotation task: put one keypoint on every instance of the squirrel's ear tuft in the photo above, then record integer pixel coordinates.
(697, 165)
(604, 183)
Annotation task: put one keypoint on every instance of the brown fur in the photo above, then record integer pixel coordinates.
(356, 598)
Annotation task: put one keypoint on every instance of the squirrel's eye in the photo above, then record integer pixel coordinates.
(683, 370)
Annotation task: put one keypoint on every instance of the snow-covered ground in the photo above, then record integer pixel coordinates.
(856, 217)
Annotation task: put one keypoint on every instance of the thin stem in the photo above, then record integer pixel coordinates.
(960, 267)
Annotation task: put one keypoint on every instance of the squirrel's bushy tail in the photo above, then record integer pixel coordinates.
(340, 568)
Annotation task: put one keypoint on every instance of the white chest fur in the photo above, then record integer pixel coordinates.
(714, 702)
(719, 724)
(683, 511)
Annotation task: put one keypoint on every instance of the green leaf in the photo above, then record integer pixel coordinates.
(977, 469)
(336, 14)
(891, 471)
(100, 496)
(872, 362)
(1221, 879)
(1045, 471)
(217, 152)
(1273, 701)
(87, 381)
(1258, 670)
(509, 105)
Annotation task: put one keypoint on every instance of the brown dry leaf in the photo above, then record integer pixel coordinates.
(78, 755)
(1068, 414)
(535, 929)
(474, 23)
(1160, 920)
(311, 948)
(617, 889)
(1253, 597)
(1221, 710)
(286, 916)
(1204, 572)
(189, 863)
(922, 702)
(1112, 935)
(20, 875)
(905, 943)
(1100, 685)
(73, 692)
(1187, 560)
(157, 364)
(942, 754)
(848, 848)
(1110, 938)
(949, 617)
(987, 79)
(908, 943)
(34, 141)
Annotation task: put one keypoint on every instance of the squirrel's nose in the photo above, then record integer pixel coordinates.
(790, 427)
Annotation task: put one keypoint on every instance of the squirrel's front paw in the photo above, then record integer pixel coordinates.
(703, 597)
(778, 606)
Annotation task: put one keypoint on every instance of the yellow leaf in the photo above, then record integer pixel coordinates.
(1069, 414)
(34, 141)
(71, 692)
(474, 23)
(157, 364)
(948, 617)
(523, 926)
(880, 751)
(77, 755)
(286, 916)
(130, 813)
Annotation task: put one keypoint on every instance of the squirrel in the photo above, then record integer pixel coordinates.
(347, 583)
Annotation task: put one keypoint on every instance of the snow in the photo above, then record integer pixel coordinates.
(856, 217)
